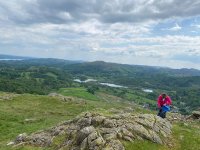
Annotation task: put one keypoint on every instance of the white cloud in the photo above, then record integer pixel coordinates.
(115, 30)
(196, 25)
(176, 28)
(65, 16)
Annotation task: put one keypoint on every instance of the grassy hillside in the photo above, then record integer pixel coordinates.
(181, 84)
(113, 69)
(30, 113)
(78, 92)
(42, 76)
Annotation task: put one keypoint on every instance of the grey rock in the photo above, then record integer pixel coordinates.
(96, 144)
(92, 137)
(82, 134)
(127, 138)
(92, 131)
(43, 139)
(109, 123)
(98, 120)
(84, 144)
(196, 114)
(127, 133)
(21, 138)
(155, 137)
(84, 122)
(110, 136)
(115, 145)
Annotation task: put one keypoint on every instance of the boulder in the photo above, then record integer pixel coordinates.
(109, 123)
(196, 114)
(114, 145)
(84, 144)
(95, 141)
(82, 134)
(92, 131)
(21, 138)
(42, 139)
(97, 120)
(84, 122)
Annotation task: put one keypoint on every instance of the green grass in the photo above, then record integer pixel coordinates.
(187, 136)
(131, 95)
(138, 99)
(143, 145)
(78, 92)
(184, 137)
(46, 112)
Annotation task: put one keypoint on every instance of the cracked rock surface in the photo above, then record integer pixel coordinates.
(93, 131)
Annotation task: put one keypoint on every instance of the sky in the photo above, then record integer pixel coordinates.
(145, 32)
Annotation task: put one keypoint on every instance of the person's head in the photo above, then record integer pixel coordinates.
(164, 95)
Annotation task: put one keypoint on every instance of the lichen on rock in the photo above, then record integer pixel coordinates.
(93, 131)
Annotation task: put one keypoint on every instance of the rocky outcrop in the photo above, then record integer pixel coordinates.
(61, 97)
(93, 131)
(68, 98)
(176, 117)
(7, 96)
(194, 116)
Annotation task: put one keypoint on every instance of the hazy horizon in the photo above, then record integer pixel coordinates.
(162, 33)
(96, 61)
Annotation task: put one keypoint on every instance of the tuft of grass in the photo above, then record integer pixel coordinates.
(57, 141)
(143, 145)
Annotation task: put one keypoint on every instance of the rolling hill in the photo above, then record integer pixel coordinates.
(39, 100)
(32, 75)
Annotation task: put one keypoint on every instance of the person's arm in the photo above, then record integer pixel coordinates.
(169, 101)
(159, 101)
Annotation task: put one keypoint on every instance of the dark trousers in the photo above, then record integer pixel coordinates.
(162, 113)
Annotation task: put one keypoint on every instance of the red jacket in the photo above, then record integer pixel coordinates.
(165, 101)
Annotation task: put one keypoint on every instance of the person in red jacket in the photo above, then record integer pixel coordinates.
(163, 101)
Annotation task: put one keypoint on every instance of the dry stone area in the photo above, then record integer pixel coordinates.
(93, 131)
(7, 96)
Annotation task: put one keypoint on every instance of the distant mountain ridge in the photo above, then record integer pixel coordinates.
(3, 56)
(103, 67)
(127, 69)
(51, 62)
